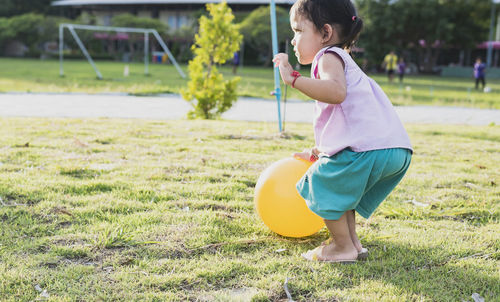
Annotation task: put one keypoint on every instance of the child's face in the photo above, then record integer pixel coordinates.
(307, 41)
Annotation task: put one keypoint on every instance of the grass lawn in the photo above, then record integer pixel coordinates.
(136, 210)
(29, 75)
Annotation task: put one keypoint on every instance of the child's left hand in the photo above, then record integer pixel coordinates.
(281, 60)
(308, 154)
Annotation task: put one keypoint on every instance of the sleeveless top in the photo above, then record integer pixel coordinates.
(364, 121)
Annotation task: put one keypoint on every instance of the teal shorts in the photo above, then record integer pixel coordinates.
(352, 180)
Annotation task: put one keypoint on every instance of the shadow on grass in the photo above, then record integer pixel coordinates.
(433, 273)
(430, 272)
(415, 273)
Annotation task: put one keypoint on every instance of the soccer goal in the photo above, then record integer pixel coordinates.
(145, 31)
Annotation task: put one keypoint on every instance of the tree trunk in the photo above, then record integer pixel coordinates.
(131, 49)
(435, 57)
(110, 46)
(420, 59)
(430, 57)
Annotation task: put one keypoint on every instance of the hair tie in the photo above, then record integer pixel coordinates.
(353, 18)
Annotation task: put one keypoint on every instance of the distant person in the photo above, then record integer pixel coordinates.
(390, 63)
(479, 73)
(236, 61)
(401, 69)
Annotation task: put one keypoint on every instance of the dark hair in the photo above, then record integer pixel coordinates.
(340, 14)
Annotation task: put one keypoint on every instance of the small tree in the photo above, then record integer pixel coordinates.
(216, 42)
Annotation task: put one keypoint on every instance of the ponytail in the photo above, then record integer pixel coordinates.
(352, 36)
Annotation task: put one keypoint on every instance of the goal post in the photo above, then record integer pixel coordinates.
(145, 31)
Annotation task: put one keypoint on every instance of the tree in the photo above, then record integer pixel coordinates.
(4, 31)
(256, 29)
(216, 42)
(25, 28)
(427, 26)
(30, 29)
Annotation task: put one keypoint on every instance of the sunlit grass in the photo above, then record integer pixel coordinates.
(134, 210)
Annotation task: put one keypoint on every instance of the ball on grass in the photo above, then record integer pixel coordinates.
(278, 203)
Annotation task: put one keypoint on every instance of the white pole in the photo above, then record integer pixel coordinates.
(108, 28)
(146, 52)
(165, 49)
(490, 40)
(85, 52)
(497, 37)
(61, 41)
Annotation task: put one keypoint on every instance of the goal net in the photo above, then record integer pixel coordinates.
(146, 31)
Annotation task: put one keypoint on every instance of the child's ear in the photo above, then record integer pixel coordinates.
(327, 32)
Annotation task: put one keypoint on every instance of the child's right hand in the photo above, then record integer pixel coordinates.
(308, 155)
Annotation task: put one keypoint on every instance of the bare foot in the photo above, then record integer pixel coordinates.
(357, 244)
(332, 253)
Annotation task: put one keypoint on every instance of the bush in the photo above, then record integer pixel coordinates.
(216, 42)
(30, 29)
(3, 30)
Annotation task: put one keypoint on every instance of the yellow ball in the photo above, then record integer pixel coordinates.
(279, 204)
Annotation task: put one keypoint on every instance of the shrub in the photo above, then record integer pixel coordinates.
(31, 29)
(216, 42)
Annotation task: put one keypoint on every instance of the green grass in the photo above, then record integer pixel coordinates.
(29, 75)
(135, 210)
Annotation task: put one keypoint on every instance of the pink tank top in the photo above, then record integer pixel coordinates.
(364, 121)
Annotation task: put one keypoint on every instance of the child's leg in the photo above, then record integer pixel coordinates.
(341, 248)
(351, 223)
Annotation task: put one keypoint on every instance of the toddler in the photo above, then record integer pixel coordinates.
(362, 150)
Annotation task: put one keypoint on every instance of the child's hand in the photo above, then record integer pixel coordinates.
(308, 155)
(281, 60)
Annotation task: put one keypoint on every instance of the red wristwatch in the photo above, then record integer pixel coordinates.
(295, 75)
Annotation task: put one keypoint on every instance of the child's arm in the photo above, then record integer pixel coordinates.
(329, 88)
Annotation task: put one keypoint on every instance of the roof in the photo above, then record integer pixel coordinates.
(134, 2)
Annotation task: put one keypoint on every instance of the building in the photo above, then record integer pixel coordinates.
(175, 13)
